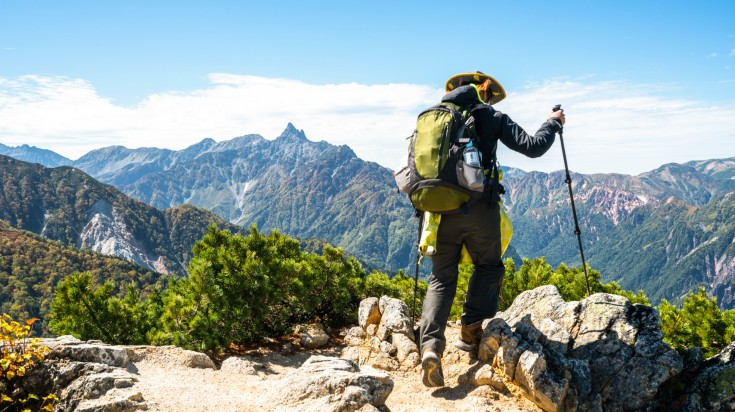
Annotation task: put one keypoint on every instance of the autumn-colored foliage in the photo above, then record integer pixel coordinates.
(18, 355)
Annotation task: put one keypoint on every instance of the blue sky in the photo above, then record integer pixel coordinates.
(642, 83)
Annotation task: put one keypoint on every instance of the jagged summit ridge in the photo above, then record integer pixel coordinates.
(291, 132)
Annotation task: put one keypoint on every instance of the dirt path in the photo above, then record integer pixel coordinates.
(167, 386)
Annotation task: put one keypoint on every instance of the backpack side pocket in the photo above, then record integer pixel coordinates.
(403, 178)
(470, 177)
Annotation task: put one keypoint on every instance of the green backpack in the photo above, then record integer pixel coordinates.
(435, 174)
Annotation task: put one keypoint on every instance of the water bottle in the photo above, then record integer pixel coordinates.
(471, 155)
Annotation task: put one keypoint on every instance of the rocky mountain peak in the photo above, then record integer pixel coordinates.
(291, 132)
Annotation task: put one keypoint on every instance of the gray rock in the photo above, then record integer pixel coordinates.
(328, 384)
(394, 318)
(170, 356)
(404, 347)
(351, 353)
(483, 375)
(116, 402)
(412, 360)
(313, 336)
(493, 334)
(357, 331)
(536, 376)
(98, 391)
(385, 343)
(385, 362)
(93, 376)
(70, 348)
(388, 348)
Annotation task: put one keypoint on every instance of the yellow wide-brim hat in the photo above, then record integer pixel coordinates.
(496, 89)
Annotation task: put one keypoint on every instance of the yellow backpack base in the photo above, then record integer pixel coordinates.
(430, 228)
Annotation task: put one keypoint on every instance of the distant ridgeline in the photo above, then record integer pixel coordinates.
(666, 231)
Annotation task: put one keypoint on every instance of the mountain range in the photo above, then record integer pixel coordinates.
(302, 188)
(666, 231)
(68, 206)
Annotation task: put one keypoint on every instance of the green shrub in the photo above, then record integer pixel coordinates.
(88, 311)
(246, 288)
(699, 322)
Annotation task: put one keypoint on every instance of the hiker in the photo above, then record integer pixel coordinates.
(476, 227)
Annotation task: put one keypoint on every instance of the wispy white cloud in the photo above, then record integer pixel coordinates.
(612, 126)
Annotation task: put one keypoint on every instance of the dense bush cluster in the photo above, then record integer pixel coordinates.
(240, 289)
(699, 322)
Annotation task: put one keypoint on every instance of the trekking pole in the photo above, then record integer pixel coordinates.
(420, 215)
(571, 198)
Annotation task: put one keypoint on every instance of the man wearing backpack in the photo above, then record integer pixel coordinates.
(476, 227)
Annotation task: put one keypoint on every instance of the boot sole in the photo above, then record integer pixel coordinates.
(433, 375)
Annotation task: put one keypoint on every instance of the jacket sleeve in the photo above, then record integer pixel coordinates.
(493, 125)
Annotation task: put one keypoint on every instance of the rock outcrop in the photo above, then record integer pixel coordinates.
(599, 353)
(384, 337)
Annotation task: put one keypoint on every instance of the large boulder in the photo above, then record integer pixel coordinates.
(329, 384)
(601, 353)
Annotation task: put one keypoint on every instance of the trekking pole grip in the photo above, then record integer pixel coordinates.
(556, 108)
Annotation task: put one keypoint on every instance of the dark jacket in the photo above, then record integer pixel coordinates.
(492, 125)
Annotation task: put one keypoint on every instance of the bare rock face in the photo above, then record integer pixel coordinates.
(384, 338)
(337, 385)
(107, 233)
(601, 353)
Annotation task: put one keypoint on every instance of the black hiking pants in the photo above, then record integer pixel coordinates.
(479, 231)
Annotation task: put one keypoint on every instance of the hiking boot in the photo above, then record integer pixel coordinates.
(432, 366)
(469, 337)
